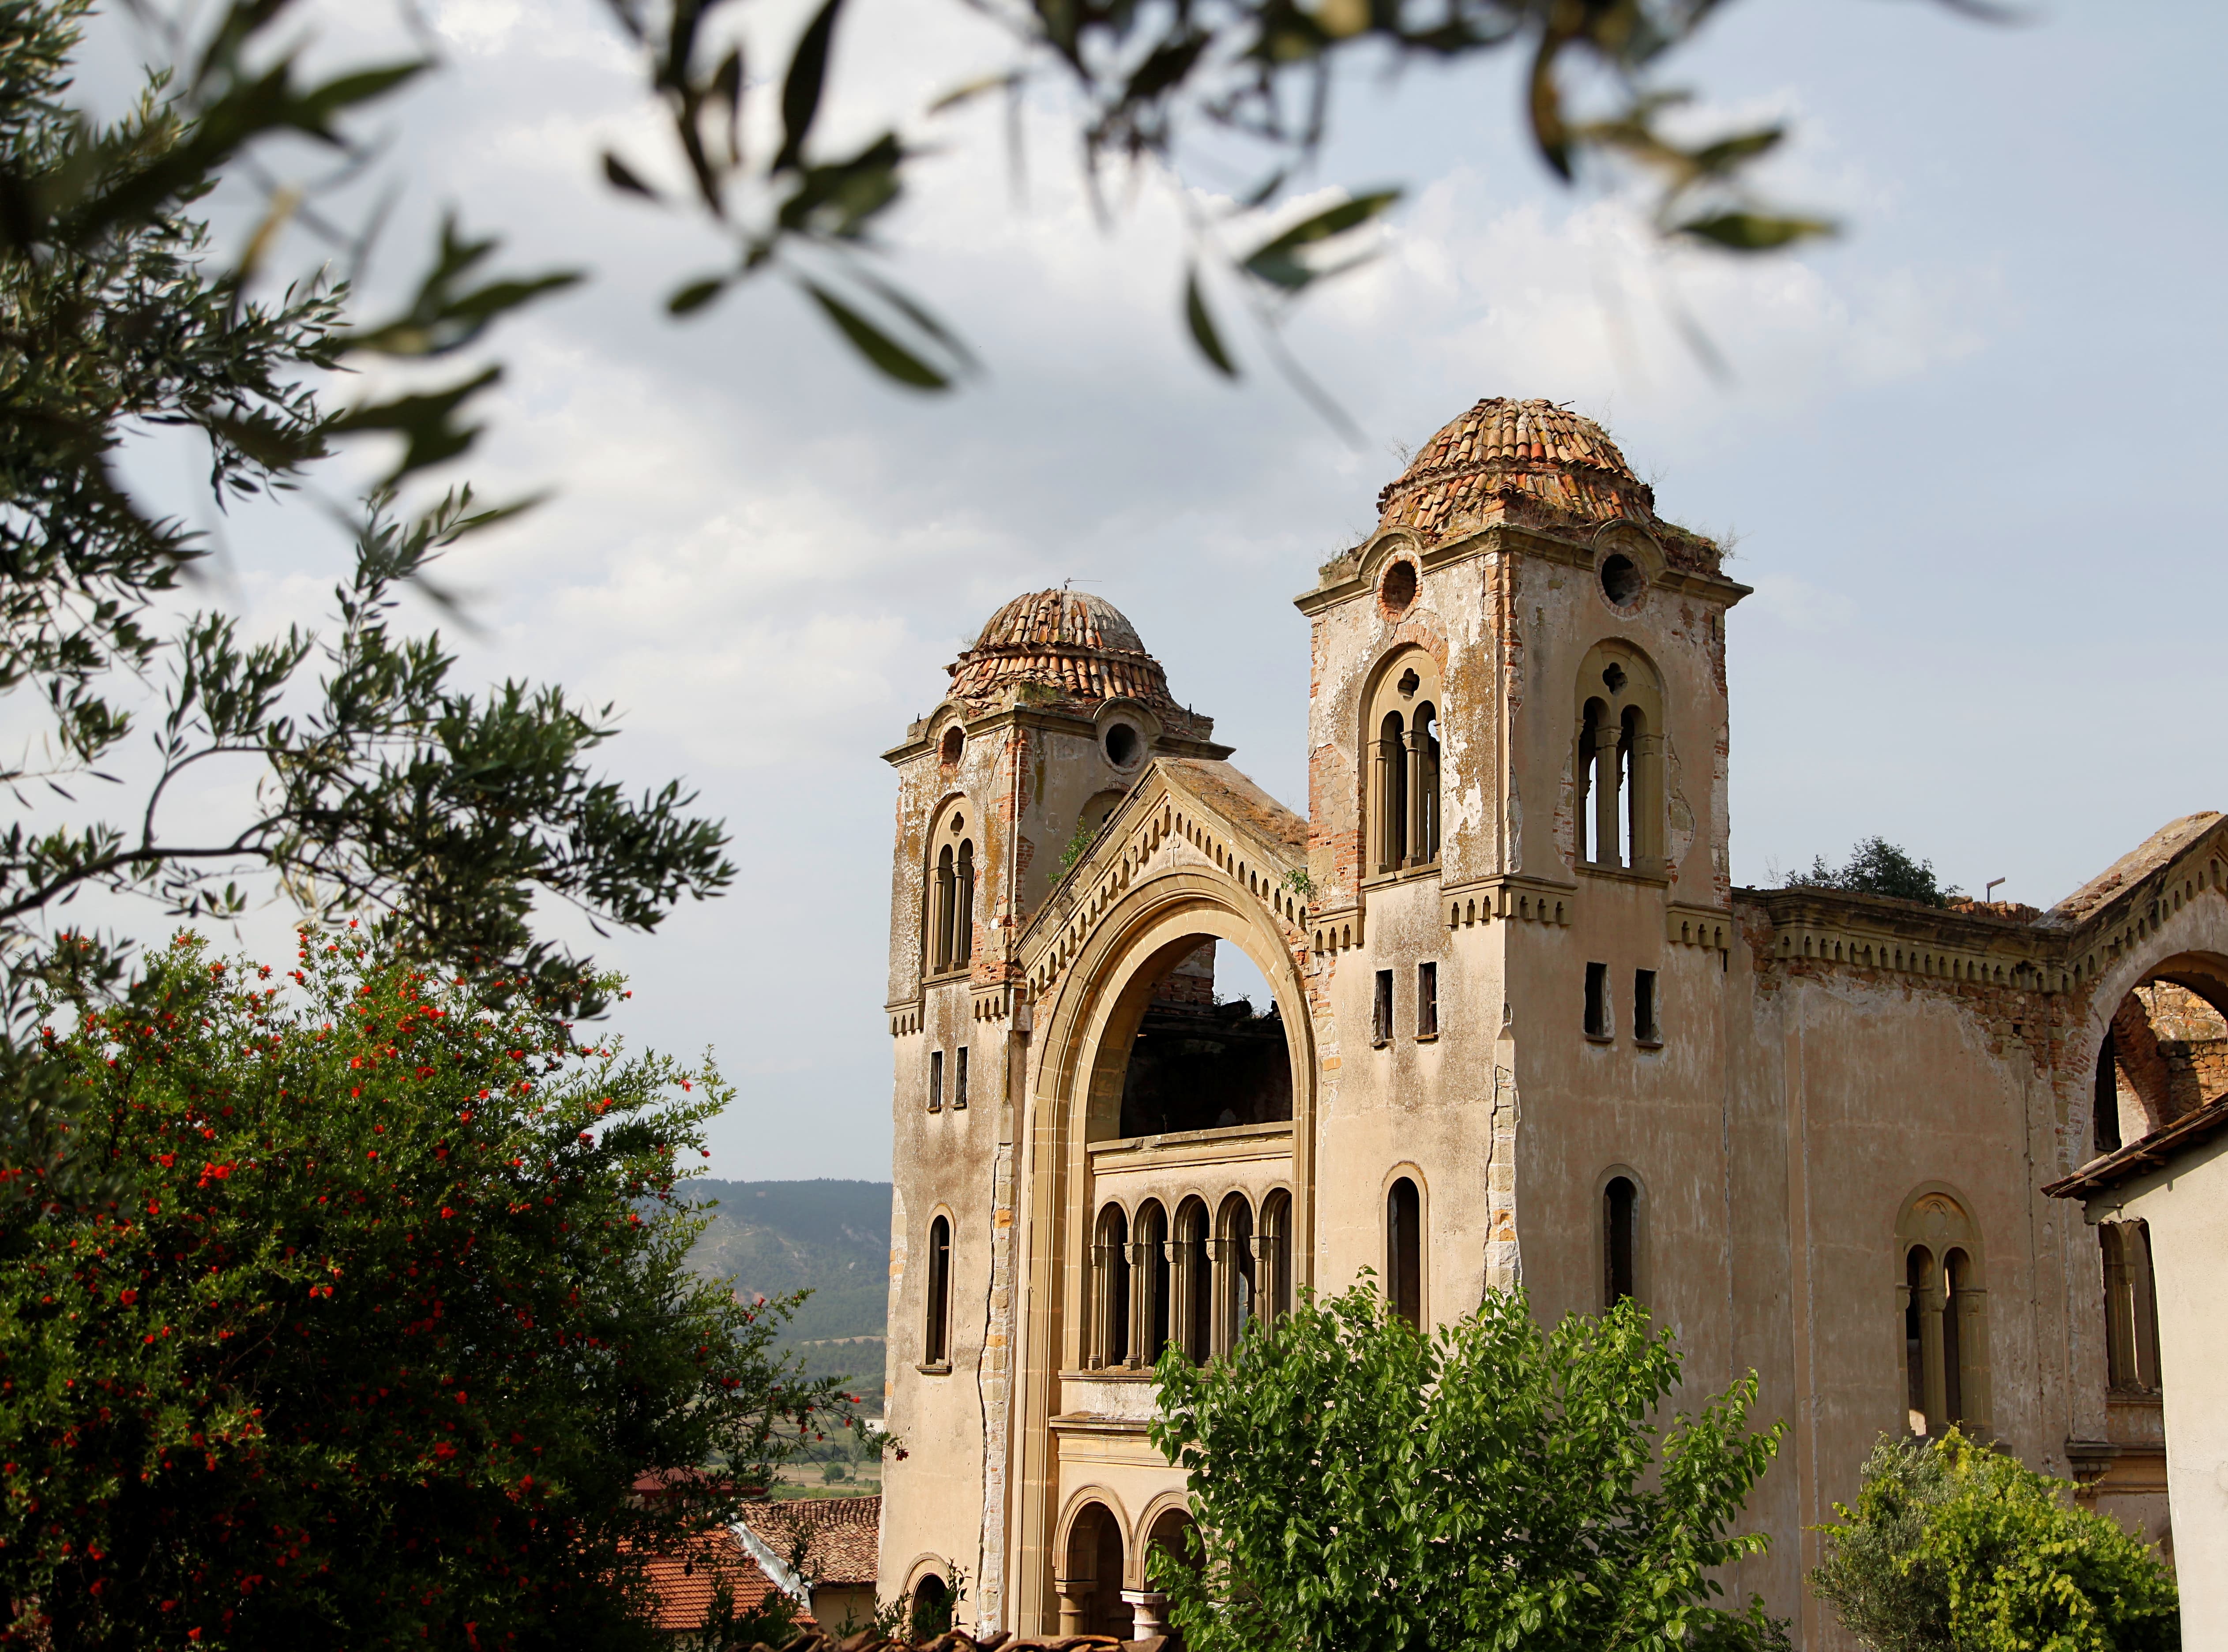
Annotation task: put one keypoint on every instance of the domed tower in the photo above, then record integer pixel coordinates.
(1518, 853)
(1051, 718)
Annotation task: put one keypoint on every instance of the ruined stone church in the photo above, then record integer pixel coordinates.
(1521, 1026)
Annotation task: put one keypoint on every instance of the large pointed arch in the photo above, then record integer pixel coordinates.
(1170, 869)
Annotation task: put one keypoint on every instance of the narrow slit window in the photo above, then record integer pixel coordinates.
(1403, 1250)
(959, 1078)
(936, 1344)
(1620, 1212)
(1644, 1007)
(1427, 1001)
(2107, 1122)
(936, 1081)
(1598, 1001)
(1380, 1022)
(2130, 1308)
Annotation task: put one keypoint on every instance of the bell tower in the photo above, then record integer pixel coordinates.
(1051, 718)
(1518, 849)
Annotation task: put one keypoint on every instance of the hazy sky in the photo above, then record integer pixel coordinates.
(1968, 451)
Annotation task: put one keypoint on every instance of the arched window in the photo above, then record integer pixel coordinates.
(1234, 1274)
(1618, 816)
(936, 1344)
(2131, 1350)
(2104, 1121)
(1191, 1297)
(949, 931)
(947, 890)
(1150, 1268)
(1111, 1256)
(1391, 794)
(1620, 1240)
(1403, 1250)
(1423, 786)
(1401, 810)
(1276, 1248)
(962, 908)
(1944, 1308)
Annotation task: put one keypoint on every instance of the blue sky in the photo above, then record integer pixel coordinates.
(1968, 451)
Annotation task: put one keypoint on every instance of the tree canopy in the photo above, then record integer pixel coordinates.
(1955, 1545)
(361, 1310)
(1491, 1484)
(1876, 867)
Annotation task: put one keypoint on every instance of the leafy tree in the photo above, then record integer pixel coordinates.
(378, 1314)
(1953, 1545)
(1876, 867)
(386, 787)
(1484, 1485)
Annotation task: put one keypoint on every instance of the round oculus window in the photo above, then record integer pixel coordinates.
(1122, 743)
(1621, 581)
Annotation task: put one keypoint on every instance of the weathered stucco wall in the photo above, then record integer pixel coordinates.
(1831, 1082)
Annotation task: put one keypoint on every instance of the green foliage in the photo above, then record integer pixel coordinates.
(1484, 1487)
(1876, 867)
(384, 787)
(1078, 845)
(771, 1623)
(351, 1313)
(1956, 1547)
(1151, 82)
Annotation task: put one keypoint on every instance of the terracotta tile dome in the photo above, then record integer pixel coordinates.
(1080, 646)
(1505, 459)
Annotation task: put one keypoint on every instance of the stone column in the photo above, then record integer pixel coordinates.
(1143, 1279)
(1648, 826)
(1606, 735)
(1379, 849)
(1149, 1613)
(1934, 1387)
(1074, 1602)
(1182, 1286)
(1419, 838)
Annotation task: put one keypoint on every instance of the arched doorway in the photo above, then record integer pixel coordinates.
(1167, 1548)
(931, 1607)
(1090, 1585)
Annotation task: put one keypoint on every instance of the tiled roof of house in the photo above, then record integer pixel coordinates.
(1079, 646)
(685, 1581)
(841, 1535)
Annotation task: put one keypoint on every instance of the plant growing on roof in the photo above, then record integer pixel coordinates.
(1489, 1484)
(1876, 867)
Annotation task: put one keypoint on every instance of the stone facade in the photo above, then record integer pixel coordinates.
(1531, 1033)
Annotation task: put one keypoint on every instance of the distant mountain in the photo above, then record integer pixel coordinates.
(831, 1238)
